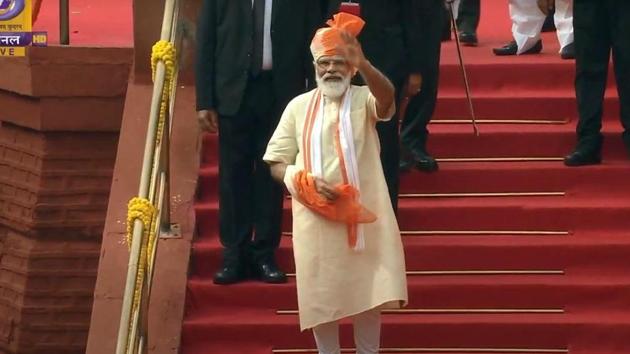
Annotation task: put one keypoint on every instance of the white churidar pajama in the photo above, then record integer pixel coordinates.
(527, 22)
(367, 334)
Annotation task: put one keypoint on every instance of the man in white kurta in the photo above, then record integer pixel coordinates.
(334, 280)
(527, 22)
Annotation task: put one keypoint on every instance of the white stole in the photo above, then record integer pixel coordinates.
(348, 150)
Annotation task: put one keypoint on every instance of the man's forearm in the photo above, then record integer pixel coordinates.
(278, 170)
(379, 85)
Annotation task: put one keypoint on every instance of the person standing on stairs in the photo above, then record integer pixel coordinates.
(420, 107)
(391, 40)
(528, 17)
(600, 26)
(468, 16)
(252, 58)
(349, 260)
(468, 13)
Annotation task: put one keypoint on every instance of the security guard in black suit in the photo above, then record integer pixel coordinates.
(599, 26)
(391, 42)
(414, 133)
(252, 58)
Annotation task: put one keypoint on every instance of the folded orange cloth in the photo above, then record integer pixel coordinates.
(327, 39)
(344, 209)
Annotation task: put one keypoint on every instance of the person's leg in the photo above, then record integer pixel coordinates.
(527, 21)
(592, 52)
(549, 25)
(621, 58)
(414, 133)
(235, 188)
(456, 6)
(468, 19)
(390, 156)
(268, 194)
(367, 331)
(592, 59)
(563, 18)
(446, 26)
(327, 338)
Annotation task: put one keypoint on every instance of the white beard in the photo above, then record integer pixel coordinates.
(333, 89)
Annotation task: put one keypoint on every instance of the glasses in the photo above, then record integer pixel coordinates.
(324, 64)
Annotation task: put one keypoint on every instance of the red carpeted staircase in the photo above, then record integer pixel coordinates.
(508, 251)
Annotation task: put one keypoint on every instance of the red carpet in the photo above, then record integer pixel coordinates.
(552, 268)
(98, 23)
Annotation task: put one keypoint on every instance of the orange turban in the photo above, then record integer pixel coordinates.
(327, 39)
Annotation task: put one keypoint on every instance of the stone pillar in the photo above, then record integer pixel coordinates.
(60, 121)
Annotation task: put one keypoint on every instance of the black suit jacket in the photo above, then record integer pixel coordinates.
(224, 42)
(391, 38)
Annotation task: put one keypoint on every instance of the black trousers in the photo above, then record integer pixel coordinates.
(468, 15)
(390, 150)
(600, 26)
(414, 131)
(250, 201)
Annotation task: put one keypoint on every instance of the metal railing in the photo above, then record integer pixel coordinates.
(154, 186)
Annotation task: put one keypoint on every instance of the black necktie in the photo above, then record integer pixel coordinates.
(258, 37)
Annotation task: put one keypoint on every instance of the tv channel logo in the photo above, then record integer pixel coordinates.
(10, 9)
(16, 28)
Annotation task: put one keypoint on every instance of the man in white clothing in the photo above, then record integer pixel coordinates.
(349, 261)
(528, 17)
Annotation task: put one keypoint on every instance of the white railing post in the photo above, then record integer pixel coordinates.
(130, 322)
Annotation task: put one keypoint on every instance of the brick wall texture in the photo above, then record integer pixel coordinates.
(54, 189)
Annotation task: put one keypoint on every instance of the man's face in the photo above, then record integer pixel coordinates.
(332, 68)
(333, 75)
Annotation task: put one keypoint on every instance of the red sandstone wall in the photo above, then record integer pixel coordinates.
(60, 120)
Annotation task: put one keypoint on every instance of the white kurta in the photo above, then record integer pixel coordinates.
(527, 22)
(333, 281)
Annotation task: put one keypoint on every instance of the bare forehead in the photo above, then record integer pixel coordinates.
(331, 58)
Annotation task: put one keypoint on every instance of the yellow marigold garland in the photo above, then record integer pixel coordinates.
(164, 51)
(142, 209)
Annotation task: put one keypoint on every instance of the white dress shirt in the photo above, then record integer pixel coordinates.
(267, 61)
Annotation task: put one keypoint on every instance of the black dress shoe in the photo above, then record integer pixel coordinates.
(468, 39)
(512, 48)
(268, 272)
(230, 274)
(568, 52)
(582, 158)
(423, 161)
